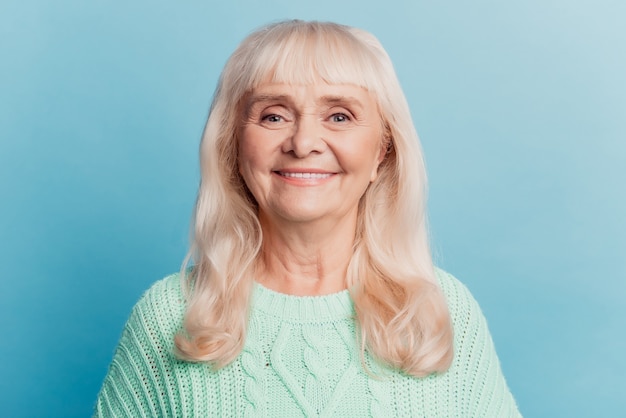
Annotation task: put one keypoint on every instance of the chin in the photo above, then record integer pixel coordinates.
(302, 216)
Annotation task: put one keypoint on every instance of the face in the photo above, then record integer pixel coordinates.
(308, 152)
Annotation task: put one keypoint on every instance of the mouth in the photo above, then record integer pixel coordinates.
(304, 175)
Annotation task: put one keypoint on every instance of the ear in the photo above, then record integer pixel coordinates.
(384, 149)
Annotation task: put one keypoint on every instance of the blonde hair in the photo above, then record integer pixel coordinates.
(401, 313)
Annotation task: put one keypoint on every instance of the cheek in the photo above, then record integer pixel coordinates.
(254, 162)
(247, 164)
(248, 152)
(256, 145)
(363, 158)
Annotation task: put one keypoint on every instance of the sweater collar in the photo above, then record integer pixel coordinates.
(333, 307)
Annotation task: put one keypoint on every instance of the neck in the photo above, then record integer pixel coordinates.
(306, 260)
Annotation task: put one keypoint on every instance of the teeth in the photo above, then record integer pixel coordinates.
(306, 175)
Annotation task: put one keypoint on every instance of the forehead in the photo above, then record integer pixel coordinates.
(319, 92)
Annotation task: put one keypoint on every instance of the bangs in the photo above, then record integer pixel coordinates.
(311, 53)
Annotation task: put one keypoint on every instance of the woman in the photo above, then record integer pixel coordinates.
(313, 291)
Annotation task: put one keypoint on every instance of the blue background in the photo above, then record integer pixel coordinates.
(521, 108)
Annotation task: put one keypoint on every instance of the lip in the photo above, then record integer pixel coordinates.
(304, 176)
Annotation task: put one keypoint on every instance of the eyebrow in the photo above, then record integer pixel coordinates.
(259, 98)
(328, 100)
(341, 100)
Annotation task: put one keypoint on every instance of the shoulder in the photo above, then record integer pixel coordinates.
(156, 317)
(143, 360)
(162, 306)
(458, 296)
(476, 367)
(467, 318)
(165, 293)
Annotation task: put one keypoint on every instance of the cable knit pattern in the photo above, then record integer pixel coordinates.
(300, 359)
(316, 385)
(252, 364)
(379, 398)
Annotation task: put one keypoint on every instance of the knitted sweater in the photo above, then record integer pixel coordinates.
(300, 359)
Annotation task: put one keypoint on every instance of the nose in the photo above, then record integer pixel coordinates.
(306, 137)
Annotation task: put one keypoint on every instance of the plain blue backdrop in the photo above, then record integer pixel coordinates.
(521, 108)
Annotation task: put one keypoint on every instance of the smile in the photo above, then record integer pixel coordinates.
(314, 176)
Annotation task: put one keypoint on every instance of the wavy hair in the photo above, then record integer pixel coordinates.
(402, 315)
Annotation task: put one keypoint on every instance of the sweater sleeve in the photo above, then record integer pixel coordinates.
(481, 388)
(137, 384)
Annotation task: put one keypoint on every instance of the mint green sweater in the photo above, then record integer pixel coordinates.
(300, 360)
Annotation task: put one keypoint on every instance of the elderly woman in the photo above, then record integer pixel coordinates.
(312, 290)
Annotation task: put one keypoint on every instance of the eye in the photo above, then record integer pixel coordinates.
(272, 118)
(339, 117)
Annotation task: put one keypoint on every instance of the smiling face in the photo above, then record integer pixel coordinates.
(308, 152)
